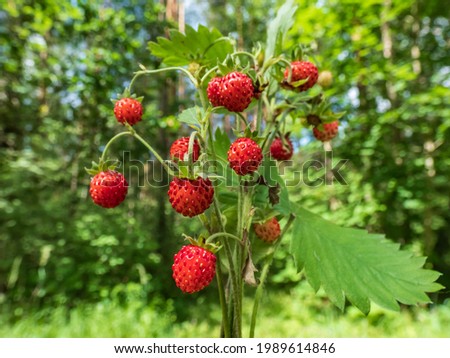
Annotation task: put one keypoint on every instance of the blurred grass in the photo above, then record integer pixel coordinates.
(298, 314)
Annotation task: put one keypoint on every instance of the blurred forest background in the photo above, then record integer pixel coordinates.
(70, 268)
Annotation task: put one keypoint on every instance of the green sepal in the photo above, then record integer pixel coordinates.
(101, 166)
(331, 116)
(223, 69)
(126, 94)
(298, 53)
(201, 241)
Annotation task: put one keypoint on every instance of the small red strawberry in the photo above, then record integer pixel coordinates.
(301, 70)
(214, 91)
(190, 197)
(233, 91)
(281, 150)
(194, 268)
(268, 231)
(128, 110)
(244, 156)
(108, 188)
(330, 130)
(180, 148)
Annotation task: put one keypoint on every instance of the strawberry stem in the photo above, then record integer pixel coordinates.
(131, 131)
(263, 277)
(111, 141)
(165, 69)
(259, 115)
(206, 75)
(222, 234)
(233, 299)
(255, 62)
(222, 299)
(243, 119)
(154, 152)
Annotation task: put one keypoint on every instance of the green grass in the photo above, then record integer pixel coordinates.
(297, 314)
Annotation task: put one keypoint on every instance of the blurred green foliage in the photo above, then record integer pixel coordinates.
(297, 312)
(61, 62)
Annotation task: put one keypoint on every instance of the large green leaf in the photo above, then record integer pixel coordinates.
(278, 28)
(362, 267)
(204, 46)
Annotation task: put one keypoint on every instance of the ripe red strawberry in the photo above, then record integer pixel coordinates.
(233, 91)
(300, 71)
(180, 148)
(214, 91)
(280, 150)
(268, 231)
(128, 110)
(330, 130)
(244, 156)
(194, 268)
(108, 189)
(190, 197)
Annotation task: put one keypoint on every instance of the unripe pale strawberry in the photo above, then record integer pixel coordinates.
(244, 156)
(325, 79)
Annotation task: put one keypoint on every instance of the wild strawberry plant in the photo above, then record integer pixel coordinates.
(231, 181)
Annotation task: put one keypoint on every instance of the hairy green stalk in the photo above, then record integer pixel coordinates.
(263, 277)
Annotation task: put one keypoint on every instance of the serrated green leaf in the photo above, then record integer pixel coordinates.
(190, 116)
(278, 28)
(204, 46)
(362, 267)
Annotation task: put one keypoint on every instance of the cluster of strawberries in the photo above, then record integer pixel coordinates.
(194, 265)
